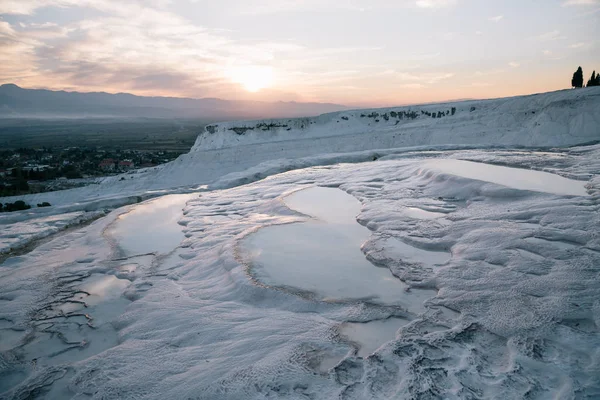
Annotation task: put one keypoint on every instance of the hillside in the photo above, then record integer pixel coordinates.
(564, 118)
(551, 119)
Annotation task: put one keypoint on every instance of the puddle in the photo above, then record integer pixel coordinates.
(322, 360)
(370, 336)
(103, 287)
(516, 178)
(127, 271)
(418, 213)
(329, 361)
(323, 255)
(329, 205)
(47, 349)
(152, 226)
(399, 250)
(104, 302)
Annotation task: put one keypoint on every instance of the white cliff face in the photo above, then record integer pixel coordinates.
(562, 118)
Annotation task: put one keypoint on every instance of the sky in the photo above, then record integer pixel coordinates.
(352, 52)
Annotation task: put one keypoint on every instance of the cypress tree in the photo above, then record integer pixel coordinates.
(577, 81)
(593, 80)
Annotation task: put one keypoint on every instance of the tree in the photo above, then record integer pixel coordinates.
(592, 81)
(577, 80)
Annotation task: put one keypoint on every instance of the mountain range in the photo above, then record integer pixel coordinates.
(17, 102)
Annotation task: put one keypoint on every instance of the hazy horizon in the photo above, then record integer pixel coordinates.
(149, 95)
(352, 52)
(133, 94)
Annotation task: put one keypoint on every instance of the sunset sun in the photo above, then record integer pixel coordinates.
(253, 78)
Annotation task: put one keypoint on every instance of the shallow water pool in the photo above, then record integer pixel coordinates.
(323, 255)
(151, 227)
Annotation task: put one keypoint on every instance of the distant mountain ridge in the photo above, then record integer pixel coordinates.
(17, 102)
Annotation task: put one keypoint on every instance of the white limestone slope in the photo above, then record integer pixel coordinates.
(557, 119)
(120, 309)
(560, 118)
(237, 152)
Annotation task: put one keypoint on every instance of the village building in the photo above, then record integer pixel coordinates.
(126, 165)
(108, 164)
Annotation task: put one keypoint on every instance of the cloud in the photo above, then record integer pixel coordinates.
(514, 64)
(549, 36)
(133, 47)
(20, 7)
(260, 7)
(434, 3)
(129, 47)
(577, 45)
(26, 7)
(550, 55)
(580, 3)
(497, 18)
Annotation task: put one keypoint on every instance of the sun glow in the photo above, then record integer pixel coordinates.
(252, 78)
